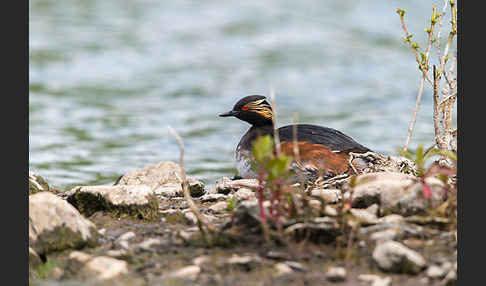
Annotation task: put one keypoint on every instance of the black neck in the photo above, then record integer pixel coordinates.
(253, 133)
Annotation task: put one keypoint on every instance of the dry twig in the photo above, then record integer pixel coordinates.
(202, 224)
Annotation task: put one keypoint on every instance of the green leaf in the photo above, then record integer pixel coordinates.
(419, 156)
(423, 57)
(278, 166)
(431, 153)
(406, 154)
(451, 155)
(262, 148)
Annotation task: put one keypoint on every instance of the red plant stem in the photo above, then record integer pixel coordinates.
(272, 204)
(261, 197)
(277, 198)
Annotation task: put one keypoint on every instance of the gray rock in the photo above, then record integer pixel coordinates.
(88, 267)
(364, 216)
(118, 253)
(246, 262)
(392, 219)
(37, 184)
(192, 219)
(392, 256)
(123, 240)
(375, 280)
(164, 177)
(435, 271)
(200, 260)
(244, 194)
(248, 213)
(319, 230)
(336, 274)
(451, 277)
(212, 198)
(149, 244)
(219, 207)
(190, 272)
(225, 185)
(330, 196)
(374, 209)
(126, 236)
(384, 235)
(296, 266)
(54, 225)
(282, 269)
(330, 211)
(277, 255)
(395, 193)
(120, 200)
(34, 259)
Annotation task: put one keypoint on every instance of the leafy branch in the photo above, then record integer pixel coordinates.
(442, 114)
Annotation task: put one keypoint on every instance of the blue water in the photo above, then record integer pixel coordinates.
(108, 77)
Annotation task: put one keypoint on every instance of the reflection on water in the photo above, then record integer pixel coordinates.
(108, 77)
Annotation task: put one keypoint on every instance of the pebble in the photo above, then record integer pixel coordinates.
(384, 235)
(219, 207)
(375, 280)
(201, 260)
(212, 197)
(336, 274)
(99, 267)
(148, 244)
(330, 196)
(393, 256)
(190, 272)
(364, 216)
(246, 262)
(392, 219)
(126, 236)
(244, 194)
(296, 266)
(282, 269)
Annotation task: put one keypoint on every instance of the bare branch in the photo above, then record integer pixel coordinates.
(414, 118)
(185, 187)
(276, 137)
(438, 137)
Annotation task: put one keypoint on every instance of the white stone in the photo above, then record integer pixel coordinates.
(190, 272)
(126, 236)
(336, 274)
(201, 260)
(395, 192)
(330, 196)
(375, 280)
(282, 269)
(219, 207)
(384, 235)
(244, 194)
(395, 257)
(54, 224)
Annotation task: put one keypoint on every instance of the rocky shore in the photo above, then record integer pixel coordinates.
(142, 231)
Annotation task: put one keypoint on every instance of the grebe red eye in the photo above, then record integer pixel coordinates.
(244, 108)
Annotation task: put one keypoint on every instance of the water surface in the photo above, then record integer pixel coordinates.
(108, 77)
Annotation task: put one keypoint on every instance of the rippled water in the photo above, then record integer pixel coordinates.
(108, 77)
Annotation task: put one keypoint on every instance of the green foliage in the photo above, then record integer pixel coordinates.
(262, 148)
(278, 166)
(45, 269)
(274, 166)
(420, 157)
